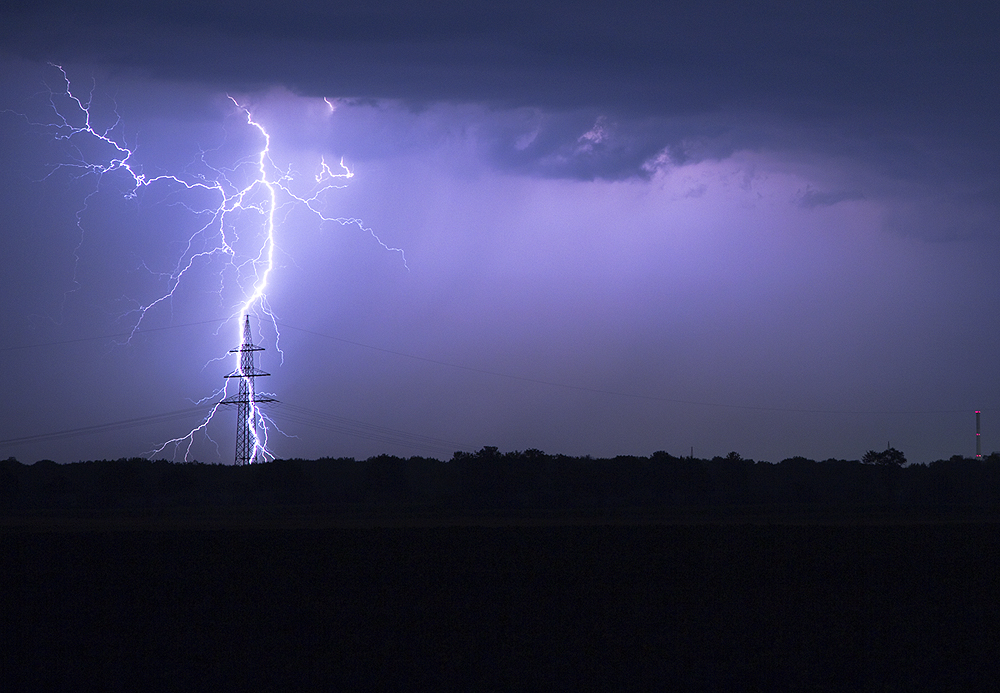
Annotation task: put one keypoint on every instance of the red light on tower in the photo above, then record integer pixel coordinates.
(979, 449)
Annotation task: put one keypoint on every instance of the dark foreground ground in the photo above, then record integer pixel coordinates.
(269, 604)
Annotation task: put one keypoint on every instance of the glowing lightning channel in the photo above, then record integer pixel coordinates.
(267, 192)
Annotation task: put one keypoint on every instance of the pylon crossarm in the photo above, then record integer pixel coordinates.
(247, 440)
(252, 373)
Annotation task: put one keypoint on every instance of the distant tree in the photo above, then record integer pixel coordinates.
(893, 457)
(889, 457)
(489, 452)
(734, 457)
(798, 460)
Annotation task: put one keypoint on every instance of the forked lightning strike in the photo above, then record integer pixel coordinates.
(267, 193)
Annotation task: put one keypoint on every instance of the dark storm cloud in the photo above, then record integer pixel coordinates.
(903, 89)
(808, 59)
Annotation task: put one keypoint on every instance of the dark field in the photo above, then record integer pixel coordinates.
(142, 605)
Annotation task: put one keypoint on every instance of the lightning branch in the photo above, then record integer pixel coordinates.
(266, 191)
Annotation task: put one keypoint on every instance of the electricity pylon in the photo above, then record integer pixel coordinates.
(247, 399)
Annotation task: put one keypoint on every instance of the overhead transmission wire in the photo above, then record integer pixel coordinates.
(360, 429)
(509, 376)
(290, 412)
(654, 398)
(114, 426)
(109, 336)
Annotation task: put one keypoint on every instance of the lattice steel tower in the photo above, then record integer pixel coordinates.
(247, 399)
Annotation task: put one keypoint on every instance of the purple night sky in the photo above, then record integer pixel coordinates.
(627, 228)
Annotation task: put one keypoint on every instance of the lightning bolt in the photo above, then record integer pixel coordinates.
(255, 185)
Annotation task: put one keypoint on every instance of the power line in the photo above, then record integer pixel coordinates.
(508, 376)
(290, 412)
(110, 336)
(582, 388)
(114, 426)
(361, 429)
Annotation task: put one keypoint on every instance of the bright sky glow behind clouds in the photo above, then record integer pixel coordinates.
(602, 279)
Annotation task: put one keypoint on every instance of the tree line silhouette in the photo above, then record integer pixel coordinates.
(490, 480)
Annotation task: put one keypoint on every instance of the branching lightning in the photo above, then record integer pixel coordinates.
(255, 185)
